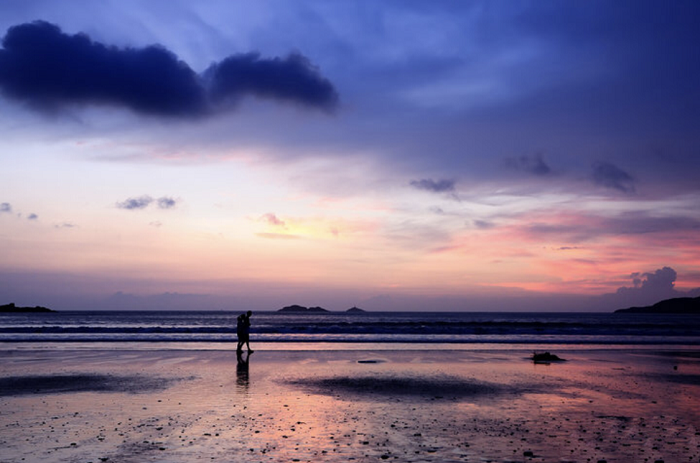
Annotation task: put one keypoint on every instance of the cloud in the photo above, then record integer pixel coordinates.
(65, 225)
(534, 165)
(166, 203)
(7, 208)
(661, 280)
(634, 223)
(647, 289)
(610, 176)
(581, 227)
(49, 70)
(439, 186)
(141, 202)
(272, 219)
(293, 79)
(483, 224)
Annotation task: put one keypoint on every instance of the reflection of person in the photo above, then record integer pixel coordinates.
(242, 376)
(243, 331)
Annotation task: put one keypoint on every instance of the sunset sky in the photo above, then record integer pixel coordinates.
(393, 155)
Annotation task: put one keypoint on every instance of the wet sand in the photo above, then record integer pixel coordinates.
(419, 405)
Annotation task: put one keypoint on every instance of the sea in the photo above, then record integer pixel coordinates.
(338, 330)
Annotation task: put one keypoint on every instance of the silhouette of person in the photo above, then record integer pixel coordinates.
(243, 331)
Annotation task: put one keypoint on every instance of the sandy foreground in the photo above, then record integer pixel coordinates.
(124, 405)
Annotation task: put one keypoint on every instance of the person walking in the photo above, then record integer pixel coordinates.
(243, 331)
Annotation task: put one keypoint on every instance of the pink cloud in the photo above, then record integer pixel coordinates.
(272, 219)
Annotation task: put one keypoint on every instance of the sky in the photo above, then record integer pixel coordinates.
(393, 155)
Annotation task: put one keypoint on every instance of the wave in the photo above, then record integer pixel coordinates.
(380, 328)
(374, 327)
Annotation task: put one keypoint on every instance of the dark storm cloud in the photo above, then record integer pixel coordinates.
(436, 186)
(292, 79)
(141, 202)
(48, 69)
(610, 176)
(534, 165)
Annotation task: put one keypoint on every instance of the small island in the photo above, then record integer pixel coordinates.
(301, 309)
(679, 305)
(12, 308)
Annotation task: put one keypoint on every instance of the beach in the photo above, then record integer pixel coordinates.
(81, 403)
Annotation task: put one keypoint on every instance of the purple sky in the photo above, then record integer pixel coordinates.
(495, 155)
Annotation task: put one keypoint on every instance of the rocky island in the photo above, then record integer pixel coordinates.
(301, 309)
(12, 308)
(679, 305)
(355, 310)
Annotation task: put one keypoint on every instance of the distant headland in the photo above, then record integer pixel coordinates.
(301, 309)
(679, 305)
(12, 308)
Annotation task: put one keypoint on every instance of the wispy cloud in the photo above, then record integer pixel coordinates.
(580, 227)
(534, 165)
(609, 175)
(483, 224)
(435, 186)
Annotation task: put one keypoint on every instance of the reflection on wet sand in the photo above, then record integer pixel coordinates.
(243, 371)
(328, 406)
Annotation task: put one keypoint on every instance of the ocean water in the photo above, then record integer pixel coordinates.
(371, 327)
